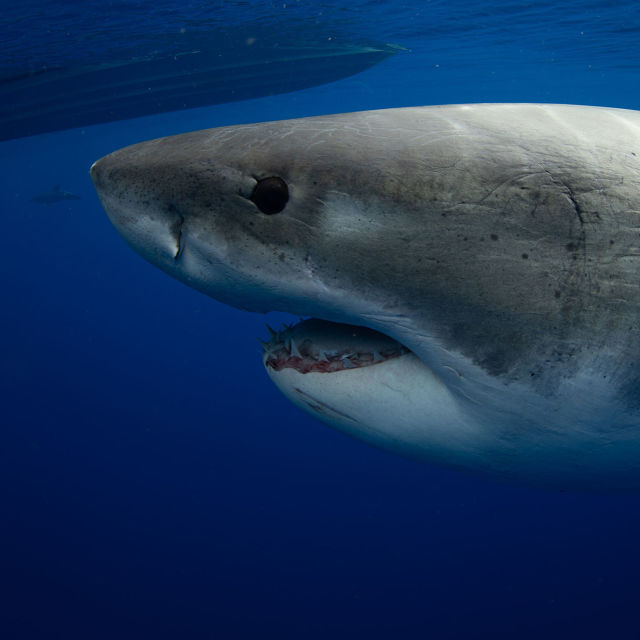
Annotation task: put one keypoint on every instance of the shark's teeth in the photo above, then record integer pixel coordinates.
(347, 362)
(293, 350)
(269, 349)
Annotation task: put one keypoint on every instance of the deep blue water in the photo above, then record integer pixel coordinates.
(153, 482)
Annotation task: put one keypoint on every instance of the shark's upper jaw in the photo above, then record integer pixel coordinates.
(184, 238)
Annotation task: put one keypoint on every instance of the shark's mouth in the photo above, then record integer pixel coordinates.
(321, 346)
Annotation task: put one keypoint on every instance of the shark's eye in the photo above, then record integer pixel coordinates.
(270, 195)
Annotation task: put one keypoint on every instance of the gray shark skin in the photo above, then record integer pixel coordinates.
(498, 243)
(56, 194)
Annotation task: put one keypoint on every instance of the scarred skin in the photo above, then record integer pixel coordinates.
(500, 243)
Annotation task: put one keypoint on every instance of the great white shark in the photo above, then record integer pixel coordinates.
(471, 271)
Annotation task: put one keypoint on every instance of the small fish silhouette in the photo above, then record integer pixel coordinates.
(54, 195)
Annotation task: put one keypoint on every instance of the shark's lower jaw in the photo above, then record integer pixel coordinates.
(366, 385)
(374, 389)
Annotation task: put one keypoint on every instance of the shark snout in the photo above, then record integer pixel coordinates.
(151, 226)
(97, 173)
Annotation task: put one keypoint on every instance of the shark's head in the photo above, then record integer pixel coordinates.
(458, 233)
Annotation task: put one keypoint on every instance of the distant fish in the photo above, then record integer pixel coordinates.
(54, 195)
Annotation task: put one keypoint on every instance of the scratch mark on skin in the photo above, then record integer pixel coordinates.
(322, 407)
(570, 195)
(456, 373)
(506, 182)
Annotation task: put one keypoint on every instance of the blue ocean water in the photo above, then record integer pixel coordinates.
(153, 483)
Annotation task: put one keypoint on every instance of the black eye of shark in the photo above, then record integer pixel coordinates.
(270, 195)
